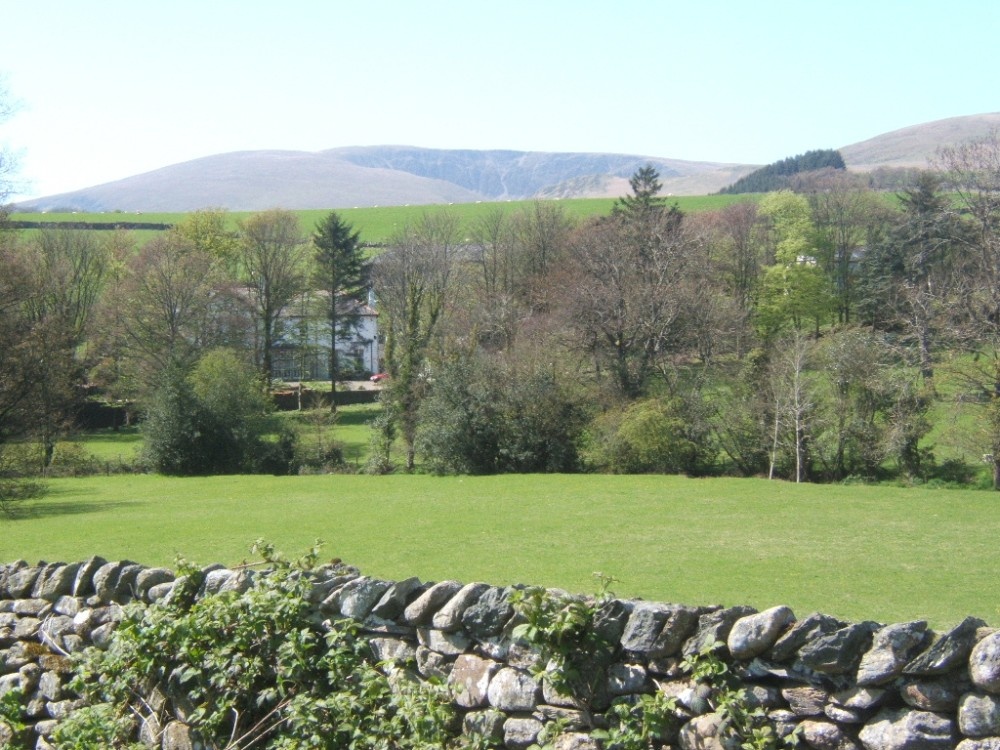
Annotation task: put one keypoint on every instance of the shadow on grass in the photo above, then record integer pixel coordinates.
(356, 417)
(46, 503)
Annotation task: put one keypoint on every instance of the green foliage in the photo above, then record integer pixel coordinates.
(12, 712)
(776, 176)
(745, 723)
(640, 724)
(213, 421)
(573, 654)
(315, 451)
(341, 272)
(645, 198)
(255, 669)
(665, 436)
(102, 726)
(486, 417)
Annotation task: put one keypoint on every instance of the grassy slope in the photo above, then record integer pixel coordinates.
(880, 553)
(379, 224)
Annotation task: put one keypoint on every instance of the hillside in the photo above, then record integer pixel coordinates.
(401, 175)
(916, 145)
(379, 175)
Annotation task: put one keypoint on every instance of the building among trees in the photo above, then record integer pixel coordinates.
(302, 348)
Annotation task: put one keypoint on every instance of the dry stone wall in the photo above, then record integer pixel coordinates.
(839, 685)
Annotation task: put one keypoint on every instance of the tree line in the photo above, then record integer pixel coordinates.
(182, 328)
(801, 334)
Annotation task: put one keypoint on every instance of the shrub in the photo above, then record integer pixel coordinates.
(654, 436)
(253, 669)
(485, 417)
(214, 420)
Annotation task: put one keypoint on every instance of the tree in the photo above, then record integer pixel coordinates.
(8, 163)
(485, 415)
(910, 275)
(170, 289)
(870, 410)
(413, 286)
(19, 373)
(845, 216)
(69, 268)
(626, 293)
(207, 230)
(341, 272)
(645, 197)
(272, 260)
(653, 435)
(972, 171)
(212, 420)
(795, 288)
(793, 391)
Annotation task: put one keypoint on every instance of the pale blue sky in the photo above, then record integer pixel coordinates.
(112, 88)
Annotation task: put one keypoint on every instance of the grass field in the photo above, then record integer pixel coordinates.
(379, 223)
(888, 554)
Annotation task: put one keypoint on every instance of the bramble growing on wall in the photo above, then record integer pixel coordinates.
(251, 669)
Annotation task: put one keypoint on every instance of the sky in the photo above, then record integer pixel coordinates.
(109, 89)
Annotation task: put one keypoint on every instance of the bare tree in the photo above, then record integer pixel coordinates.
(625, 295)
(498, 278)
(169, 289)
(793, 401)
(972, 170)
(272, 258)
(8, 162)
(413, 284)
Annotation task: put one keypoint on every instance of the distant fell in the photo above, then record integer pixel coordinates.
(400, 175)
(916, 146)
(365, 176)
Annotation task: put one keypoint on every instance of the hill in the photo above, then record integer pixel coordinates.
(401, 175)
(916, 145)
(378, 175)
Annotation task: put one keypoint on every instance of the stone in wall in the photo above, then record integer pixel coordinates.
(842, 686)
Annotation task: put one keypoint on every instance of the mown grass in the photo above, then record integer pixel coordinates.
(378, 223)
(882, 553)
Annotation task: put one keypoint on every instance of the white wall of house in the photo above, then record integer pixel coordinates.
(303, 345)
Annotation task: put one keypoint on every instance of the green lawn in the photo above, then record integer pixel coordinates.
(882, 553)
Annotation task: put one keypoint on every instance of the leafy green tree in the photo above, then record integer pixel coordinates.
(795, 288)
(212, 420)
(341, 272)
(208, 231)
(871, 410)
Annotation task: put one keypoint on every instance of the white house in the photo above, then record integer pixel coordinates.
(302, 349)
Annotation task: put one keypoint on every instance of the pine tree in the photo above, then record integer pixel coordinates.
(341, 273)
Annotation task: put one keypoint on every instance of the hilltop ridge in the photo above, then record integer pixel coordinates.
(400, 175)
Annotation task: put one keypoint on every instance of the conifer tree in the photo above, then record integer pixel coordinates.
(341, 273)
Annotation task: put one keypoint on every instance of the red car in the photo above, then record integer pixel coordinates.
(379, 377)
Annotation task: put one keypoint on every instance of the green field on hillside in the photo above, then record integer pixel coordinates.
(881, 553)
(377, 224)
